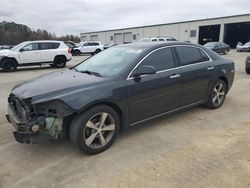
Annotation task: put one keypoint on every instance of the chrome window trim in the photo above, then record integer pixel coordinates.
(129, 77)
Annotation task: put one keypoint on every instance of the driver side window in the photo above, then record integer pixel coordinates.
(30, 47)
(161, 59)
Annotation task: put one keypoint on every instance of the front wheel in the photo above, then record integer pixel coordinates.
(217, 95)
(95, 130)
(9, 65)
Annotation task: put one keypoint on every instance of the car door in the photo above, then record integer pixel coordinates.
(152, 95)
(85, 48)
(29, 54)
(196, 74)
(46, 52)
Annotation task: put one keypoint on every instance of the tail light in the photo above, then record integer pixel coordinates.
(69, 50)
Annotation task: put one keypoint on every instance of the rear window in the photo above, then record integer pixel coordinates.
(49, 45)
(188, 55)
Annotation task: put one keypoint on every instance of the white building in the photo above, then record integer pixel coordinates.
(230, 29)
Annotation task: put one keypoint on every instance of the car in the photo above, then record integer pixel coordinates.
(248, 65)
(92, 47)
(120, 87)
(243, 48)
(219, 47)
(157, 39)
(30, 53)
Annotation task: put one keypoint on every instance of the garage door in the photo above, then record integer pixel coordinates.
(127, 37)
(237, 32)
(118, 38)
(209, 33)
(94, 37)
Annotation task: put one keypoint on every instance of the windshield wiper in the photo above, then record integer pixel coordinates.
(90, 72)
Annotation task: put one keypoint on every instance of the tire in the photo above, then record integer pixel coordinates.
(77, 52)
(60, 62)
(87, 132)
(217, 95)
(247, 70)
(226, 52)
(9, 65)
(97, 51)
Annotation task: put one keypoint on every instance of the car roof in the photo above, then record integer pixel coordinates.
(150, 45)
(45, 41)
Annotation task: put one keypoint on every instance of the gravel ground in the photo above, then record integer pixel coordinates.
(195, 148)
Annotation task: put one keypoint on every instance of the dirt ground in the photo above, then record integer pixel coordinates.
(195, 148)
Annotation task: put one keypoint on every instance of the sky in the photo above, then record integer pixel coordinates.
(76, 16)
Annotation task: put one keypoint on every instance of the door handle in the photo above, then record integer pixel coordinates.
(175, 76)
(210, 68)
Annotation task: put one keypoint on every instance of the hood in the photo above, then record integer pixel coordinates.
(6, 52)
(59, 82)
(244, 46)
(209, 47)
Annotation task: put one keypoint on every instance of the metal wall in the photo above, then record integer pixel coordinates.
(183, 31)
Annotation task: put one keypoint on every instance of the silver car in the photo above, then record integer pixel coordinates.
(243, 48)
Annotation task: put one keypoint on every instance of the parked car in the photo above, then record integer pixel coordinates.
(120, 87)
(243, 48)
(157, 39)
(30, 53)
(248, 65)
(88, 48)
(219, 47)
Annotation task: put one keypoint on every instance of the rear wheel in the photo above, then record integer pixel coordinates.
(60, 62)
(217, 95)
(97, 51)
(77, 52)
(9, 65)
(95, 130)
(226, 52)
(247, 70)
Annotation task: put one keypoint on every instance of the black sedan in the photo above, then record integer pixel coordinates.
(120, 87)
(219, 47)
(248, 65)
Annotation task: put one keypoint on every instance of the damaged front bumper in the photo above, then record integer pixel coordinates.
(31, 131)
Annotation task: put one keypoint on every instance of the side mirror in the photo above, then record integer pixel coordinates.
(21, 50)
(144, 70)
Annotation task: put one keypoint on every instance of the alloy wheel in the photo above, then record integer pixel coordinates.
(99, 130)
(218, 94)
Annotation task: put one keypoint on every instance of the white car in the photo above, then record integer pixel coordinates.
(157, 39)
(88, 48)
(29, 53)
(243, 48)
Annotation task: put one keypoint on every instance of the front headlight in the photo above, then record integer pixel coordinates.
(54, 108)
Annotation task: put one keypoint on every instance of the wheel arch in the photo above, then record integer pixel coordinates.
(114, 106)
(223, 78)
(60, 56)
(6, 57)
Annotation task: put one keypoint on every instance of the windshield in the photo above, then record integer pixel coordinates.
(110, 62)
(18, 46)
(210, 44)
(247, 44)
(145, 40)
